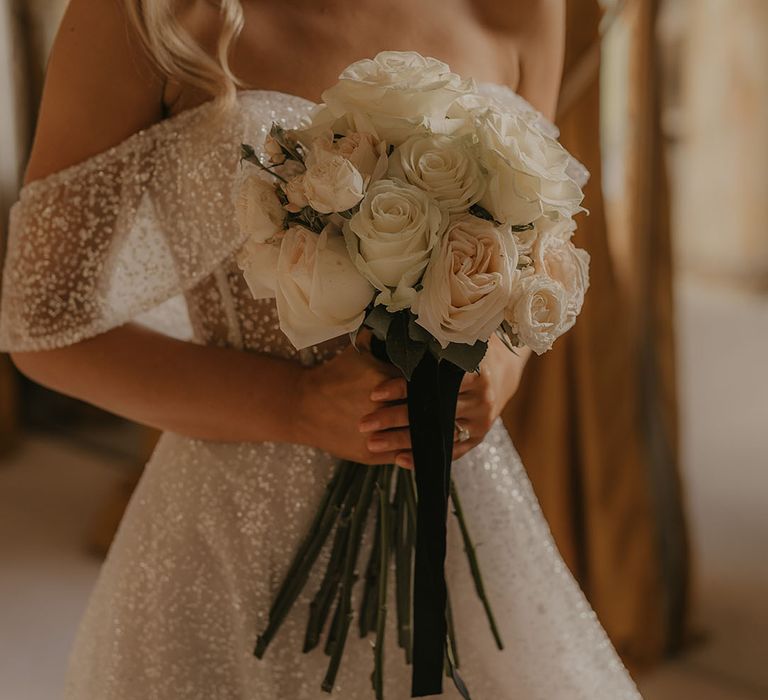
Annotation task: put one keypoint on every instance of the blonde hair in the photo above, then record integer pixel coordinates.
(178, 54)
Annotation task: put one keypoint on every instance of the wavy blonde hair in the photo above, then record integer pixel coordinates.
(178, 54)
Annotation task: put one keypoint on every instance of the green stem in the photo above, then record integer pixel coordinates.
(367, 617)
(454, 656)
(403, 555)
(321, 603)
(300, 567)
(474, 566)
(359, 514)
(384, 550)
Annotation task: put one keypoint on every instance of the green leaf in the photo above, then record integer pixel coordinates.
(379, 320)
(404, 352)
(417, 332)
(518, 228)
(467, 357)
(481, 213)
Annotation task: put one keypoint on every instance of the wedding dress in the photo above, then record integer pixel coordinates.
(144, 232)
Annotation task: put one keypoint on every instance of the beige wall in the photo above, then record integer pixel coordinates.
(720, 182)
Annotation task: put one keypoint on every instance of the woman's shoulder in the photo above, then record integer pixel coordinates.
(100, 88)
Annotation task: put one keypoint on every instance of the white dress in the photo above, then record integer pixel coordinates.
(145, 232)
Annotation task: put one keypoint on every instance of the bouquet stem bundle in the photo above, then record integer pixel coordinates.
(352, 495)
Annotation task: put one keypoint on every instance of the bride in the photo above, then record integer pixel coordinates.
(121, 289)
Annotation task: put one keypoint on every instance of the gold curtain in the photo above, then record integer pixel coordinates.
(579, 418)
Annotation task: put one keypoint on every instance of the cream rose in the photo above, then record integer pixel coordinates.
(444, 167)
(528, 170)
(390, 96)
(391, 236)
(469, 282)
(538, 314)
(332, 184)
(397, 83)
(319, 293)
(258, 210)
(258, 261)
(366, 152)
(555, 255)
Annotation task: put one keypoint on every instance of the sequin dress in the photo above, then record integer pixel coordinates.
(144, 232)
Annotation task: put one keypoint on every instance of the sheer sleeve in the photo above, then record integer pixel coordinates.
(505, 96)
(121, 234)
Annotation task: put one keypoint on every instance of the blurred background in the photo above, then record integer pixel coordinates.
(645, 431)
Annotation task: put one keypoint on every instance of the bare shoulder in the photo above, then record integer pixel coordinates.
(536, 28)
(100, 88)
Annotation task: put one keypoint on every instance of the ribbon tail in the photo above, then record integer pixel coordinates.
(432, 395)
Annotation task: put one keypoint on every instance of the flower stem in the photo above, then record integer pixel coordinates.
(301, 565)
(474, 566)
(384, 550)
(358, 514)
(321, 603)
(403, 558)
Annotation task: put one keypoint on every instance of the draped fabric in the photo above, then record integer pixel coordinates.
(581, 417)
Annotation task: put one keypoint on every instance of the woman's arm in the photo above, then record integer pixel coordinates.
(101, 88)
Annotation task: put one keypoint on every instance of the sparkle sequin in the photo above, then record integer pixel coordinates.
(211, 527)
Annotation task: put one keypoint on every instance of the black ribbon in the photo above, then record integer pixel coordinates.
(432, 395)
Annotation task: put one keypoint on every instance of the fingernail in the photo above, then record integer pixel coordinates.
(405, 462)
(368, 426)
(379, 395)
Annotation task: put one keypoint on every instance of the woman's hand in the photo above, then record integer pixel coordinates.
(332, 399)
(482, 398)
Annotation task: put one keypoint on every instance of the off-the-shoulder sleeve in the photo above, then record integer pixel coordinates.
(102, 242)
(505, 96)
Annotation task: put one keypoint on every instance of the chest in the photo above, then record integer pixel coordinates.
(301, 47)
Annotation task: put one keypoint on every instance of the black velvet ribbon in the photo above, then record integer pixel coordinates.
(432, 395)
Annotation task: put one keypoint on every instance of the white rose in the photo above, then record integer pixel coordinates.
(555, 255)
(391, 96)
(332, 184)
(319, 293)
(539, 312)
(366, 152)
(397, 83)
(390, 239)
(444, 167)
(258, 261)
(294, 191)
(528, 170)
(274, 150)
(469, 282)
(258, 210)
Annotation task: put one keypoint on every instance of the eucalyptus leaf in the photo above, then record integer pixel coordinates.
(404, 352)
(467, 357)
(379, 320)
(518, 228)
(417, 332)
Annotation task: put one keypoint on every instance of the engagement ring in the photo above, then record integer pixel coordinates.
(462, 432)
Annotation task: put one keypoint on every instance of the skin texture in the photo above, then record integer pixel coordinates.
(101, 87)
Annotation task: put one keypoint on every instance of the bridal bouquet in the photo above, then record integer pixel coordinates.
(435, 216)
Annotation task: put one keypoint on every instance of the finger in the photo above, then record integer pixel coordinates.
(389, 440)
(404, 460)
(390, 390)
(363, 339)
(461, 448)
(468, 405)
(381, 458)
(385, 418)
(469, 382)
